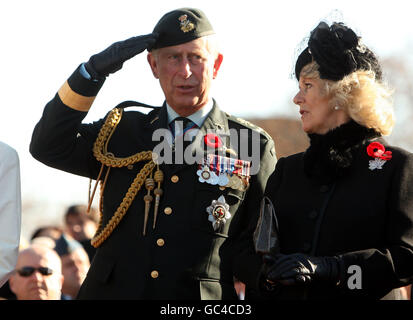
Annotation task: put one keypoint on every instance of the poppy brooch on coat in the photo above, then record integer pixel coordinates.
(380, 155)
(212, 140)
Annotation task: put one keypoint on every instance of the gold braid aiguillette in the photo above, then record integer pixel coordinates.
(107, 159)
(149, 185)
(158, 193)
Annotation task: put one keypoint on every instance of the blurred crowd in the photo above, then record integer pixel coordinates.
(54, 262)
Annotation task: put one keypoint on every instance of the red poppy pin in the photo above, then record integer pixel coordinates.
(212, 140)
(380, 155)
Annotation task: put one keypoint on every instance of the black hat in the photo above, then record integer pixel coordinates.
(338, 52)
(180, 26)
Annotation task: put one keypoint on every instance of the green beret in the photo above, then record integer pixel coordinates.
(180, 26)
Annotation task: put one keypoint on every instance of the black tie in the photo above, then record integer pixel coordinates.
(184, 123)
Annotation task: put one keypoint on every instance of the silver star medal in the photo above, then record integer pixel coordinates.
(218, 213)
(377, 163)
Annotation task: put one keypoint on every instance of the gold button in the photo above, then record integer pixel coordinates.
(160, 242)
(222, 188)
(154, 274)
(168, 210)
(130, 166)
(174, 179)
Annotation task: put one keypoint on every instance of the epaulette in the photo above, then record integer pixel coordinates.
(248, 124)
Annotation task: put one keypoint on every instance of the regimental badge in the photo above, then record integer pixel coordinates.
(218, 213)
(186, 25)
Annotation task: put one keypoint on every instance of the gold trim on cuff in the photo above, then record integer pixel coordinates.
(74, 100)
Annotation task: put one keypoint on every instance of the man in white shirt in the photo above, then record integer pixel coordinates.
(10, 210)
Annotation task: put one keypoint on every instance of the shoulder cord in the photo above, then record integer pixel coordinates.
(108, 159)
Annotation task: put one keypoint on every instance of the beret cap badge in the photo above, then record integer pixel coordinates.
(180, 26)
(186, 25)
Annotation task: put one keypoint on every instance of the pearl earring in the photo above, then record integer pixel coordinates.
(336, 107)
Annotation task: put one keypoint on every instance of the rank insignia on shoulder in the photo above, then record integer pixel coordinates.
(225, 172)
(218, 213)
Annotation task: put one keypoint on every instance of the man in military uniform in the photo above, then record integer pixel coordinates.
(168, 230)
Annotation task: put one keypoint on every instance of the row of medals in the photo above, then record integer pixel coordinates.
(223, 179)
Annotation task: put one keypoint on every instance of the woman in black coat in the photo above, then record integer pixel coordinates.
(345, 205)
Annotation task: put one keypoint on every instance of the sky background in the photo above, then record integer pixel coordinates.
(42, 43)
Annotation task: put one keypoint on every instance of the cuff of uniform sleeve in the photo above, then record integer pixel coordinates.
(78, 92)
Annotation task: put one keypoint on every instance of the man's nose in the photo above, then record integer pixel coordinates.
(37, 275)
(185, 68)
(77, 228)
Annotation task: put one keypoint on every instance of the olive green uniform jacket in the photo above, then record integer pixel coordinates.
(183, 257)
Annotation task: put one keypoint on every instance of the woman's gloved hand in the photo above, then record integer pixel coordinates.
(299, 268)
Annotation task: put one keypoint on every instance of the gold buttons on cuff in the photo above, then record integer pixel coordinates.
(160, 242)
(154, 274)
(168, 210)
(174, 179)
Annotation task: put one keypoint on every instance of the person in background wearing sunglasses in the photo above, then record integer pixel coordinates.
(38, 274)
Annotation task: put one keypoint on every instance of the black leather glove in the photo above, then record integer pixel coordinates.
(299, 268)
(111, 59)
(264, 284)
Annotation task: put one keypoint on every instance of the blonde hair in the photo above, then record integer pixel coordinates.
(366, 100)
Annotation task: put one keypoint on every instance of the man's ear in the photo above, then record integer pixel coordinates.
(12, 283)
(154, 65)
(217, 64)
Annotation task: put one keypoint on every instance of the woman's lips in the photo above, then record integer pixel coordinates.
(303, 113)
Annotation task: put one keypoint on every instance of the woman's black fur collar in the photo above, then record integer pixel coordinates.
(330, 155)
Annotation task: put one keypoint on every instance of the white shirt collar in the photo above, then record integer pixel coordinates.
(198, 117)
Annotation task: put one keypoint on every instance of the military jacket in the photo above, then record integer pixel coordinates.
(182, 257)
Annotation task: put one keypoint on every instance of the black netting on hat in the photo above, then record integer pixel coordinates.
(303, 59)
(338, 52)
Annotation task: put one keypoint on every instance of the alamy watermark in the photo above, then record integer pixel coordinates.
(354, 280)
